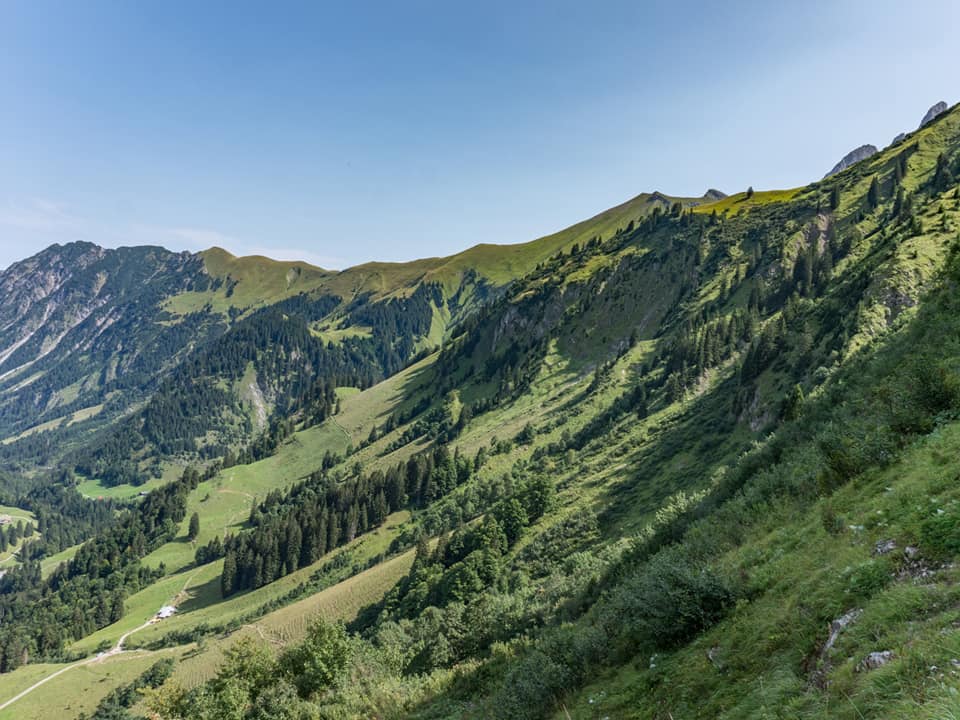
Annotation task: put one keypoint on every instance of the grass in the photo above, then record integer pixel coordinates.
(67, 420)
(197, 592)
(76, 691)
(92, 488)
(802, 577)
(340, 602)
(51, 562)
(739, 202)
(97, 490)
(259, 281)
(9, 558)
(201, 602)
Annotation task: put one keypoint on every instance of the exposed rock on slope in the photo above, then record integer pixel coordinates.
(852, 158)
(933, 113)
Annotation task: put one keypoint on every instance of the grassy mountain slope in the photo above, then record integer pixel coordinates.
(186, 316)
(668, 430)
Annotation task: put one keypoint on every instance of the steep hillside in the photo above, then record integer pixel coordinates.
(103, 333)
(609, 421)
(653, 455)
(80, 323)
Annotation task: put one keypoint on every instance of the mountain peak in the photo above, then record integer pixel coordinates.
(853, 157)
(935, 111)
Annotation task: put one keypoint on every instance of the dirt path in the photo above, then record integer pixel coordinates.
(100, 657)
(240, 513)
(115, 650)
(235, 492)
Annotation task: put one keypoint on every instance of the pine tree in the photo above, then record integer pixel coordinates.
(353, 522)
(194, 529)
(423, 556)
(380, 508)
(793, 404)
(333, 531)
(873, 194)
(229, 574)
(513, 518)
(898, 203)
(293, 542)
(942, 178)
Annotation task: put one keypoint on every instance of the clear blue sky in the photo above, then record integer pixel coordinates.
(342, 132)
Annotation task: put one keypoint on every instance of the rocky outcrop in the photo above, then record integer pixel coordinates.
(74, 318)
(875, 660)
(852, 158)
(714, 194)
(933, 113)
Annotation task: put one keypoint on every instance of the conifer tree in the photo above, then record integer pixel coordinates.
(873, 194)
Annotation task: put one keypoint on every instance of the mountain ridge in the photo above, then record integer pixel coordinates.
(625, 472)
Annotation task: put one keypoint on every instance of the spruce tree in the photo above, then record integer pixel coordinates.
(873, 194)
(229, 574)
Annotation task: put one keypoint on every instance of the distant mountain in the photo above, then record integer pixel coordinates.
(81, 325)
(852, 158)
(90, 337)
(933, 113)
(865, 151)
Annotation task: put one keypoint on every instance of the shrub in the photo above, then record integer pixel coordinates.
(940, 534)
(867, 579)
(672, 599)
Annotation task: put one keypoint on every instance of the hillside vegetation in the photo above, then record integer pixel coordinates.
(690, 458)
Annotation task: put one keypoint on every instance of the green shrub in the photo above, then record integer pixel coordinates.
(940, 534)
(672, 599)
(867, 579)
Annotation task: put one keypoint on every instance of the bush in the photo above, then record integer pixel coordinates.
(318, 661)
(672, 599)
(867, 579)
(940, 534)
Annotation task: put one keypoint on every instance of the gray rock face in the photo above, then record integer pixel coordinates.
(80, 316)
(884, 546)
(875, 660)
(934, 112)
(714, 194)
(852, 158)
(898, 138)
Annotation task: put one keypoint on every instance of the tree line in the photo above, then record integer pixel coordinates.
(295, 529)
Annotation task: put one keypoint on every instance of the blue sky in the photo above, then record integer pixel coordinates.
(343, 132)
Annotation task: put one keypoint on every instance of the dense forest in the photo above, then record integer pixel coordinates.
(297, 528)
(298, 369)
(41, 615)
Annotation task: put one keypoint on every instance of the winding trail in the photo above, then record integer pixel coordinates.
(115, 650)
(100, 657)
(232, 520)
